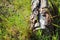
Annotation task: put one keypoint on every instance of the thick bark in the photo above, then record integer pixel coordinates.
(44, 14)
(34, 4)
(40, 11)
(44, 3)
(33, 18)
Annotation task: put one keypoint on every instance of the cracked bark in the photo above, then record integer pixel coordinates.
(40, 15)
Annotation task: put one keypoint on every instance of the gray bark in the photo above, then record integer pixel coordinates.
(44, 3)
(33, 18)
(40, 10)
(44, 14)
(34, 4)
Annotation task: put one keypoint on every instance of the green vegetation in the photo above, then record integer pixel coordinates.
(14, 21)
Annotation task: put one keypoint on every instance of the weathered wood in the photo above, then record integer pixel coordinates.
(40, 14)
(33, 18)
(34, 4)
(44, 14)
(45, 18)
(44, 3)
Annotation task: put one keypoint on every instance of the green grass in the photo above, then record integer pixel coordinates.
(14, 21)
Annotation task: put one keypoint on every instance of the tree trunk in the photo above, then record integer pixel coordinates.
(40, 14)
(33, 18)
(44, 14)
(44, 3)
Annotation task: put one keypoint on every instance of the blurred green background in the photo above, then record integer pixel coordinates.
(14, 20)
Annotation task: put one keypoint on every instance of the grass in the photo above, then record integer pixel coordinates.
(14, 22)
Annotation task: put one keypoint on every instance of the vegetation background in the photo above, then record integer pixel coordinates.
(14, 21)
